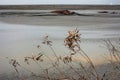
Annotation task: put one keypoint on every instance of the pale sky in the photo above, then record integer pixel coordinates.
(12, 2)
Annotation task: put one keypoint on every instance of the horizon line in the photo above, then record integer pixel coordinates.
(69, 7)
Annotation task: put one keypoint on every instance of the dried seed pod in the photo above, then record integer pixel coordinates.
(15, 64)
(34, 58)
(38, 46)
(39, 57)
(47, 41)
(26, 60)
(72, 40)
(67, 59)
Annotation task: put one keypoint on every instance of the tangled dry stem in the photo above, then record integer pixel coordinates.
(72, 42)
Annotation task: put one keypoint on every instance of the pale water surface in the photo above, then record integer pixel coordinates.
(19, 35)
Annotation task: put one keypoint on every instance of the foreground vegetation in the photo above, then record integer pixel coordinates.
(66, 67)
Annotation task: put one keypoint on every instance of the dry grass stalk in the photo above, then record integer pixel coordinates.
(47, 41)
(15, 64)
(34, 58)
(72, 40)
(114, 54)
(67, 59)
(72, 43)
